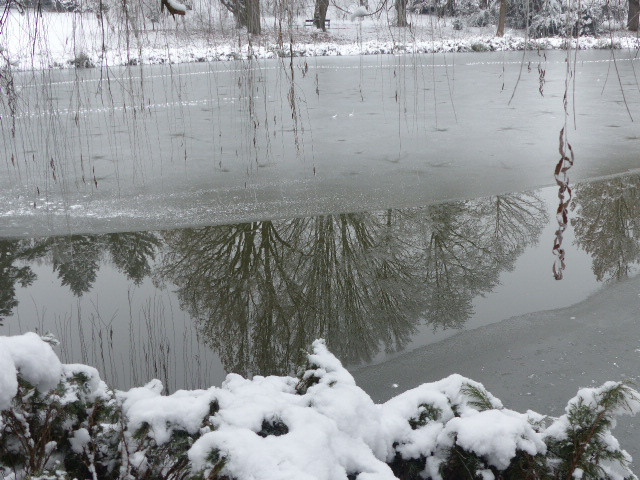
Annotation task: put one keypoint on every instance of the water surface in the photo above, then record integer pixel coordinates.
(190, 305)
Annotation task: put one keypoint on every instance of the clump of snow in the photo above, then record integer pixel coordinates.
(182, 410)
(359, 12)
(8, 378)
(593, 397)
(79, 440)
(177, 7)
(30, 357)
(95, 387)
(495, 435)
(330, 429)
(335, 428)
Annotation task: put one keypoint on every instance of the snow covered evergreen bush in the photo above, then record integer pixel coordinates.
(548, 18)
(62, 422)
(544, 18)
(561, 18)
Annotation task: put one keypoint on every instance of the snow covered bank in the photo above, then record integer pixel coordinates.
(198, 53)
(65, 40)
(320, 425)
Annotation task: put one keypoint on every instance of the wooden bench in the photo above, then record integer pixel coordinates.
(309, 22)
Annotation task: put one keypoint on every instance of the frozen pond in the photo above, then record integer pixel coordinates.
(182, 222)
(201, 144)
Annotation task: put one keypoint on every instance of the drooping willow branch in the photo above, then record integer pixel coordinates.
(565, 195)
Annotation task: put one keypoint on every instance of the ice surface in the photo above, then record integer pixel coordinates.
(363, 149)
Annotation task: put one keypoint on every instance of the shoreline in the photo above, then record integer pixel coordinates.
(178, 56)
(76, 41)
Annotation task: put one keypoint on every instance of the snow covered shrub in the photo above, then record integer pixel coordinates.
(55, 418)
(547, 20)
(581, 440)
(159, 430)
(62, 422)
(479, 47)
(82, 60)
(565, 18)
(448, 7)
(483, 18)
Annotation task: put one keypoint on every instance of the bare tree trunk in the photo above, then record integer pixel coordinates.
(238, 9)
(253, 17)
(240, 13)
(634, 12)
(401, 13)
(502, 18)
(320, 14)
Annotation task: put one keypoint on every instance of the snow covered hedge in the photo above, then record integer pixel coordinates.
(62, 422)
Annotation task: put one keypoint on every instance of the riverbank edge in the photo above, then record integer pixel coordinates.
(270, 50)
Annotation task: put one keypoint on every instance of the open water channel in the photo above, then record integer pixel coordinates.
(182, 222)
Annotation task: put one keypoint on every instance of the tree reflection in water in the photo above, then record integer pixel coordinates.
(466, 247)
(262, 291)
(76, 259)
(12, 254)
(607, 225)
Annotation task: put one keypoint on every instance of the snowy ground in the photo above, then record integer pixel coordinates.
(59, 40)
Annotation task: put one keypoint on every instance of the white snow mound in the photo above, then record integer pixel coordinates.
(33, 359)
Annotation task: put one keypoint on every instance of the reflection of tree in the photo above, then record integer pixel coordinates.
(451, 260)
(234, 280)
(262, 291)
(75, 258)
(466, 247)
(12, 252)
(607, 225)
(131, 252)
(361, 288)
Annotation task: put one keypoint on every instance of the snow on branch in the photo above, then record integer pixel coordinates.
(61, 421)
